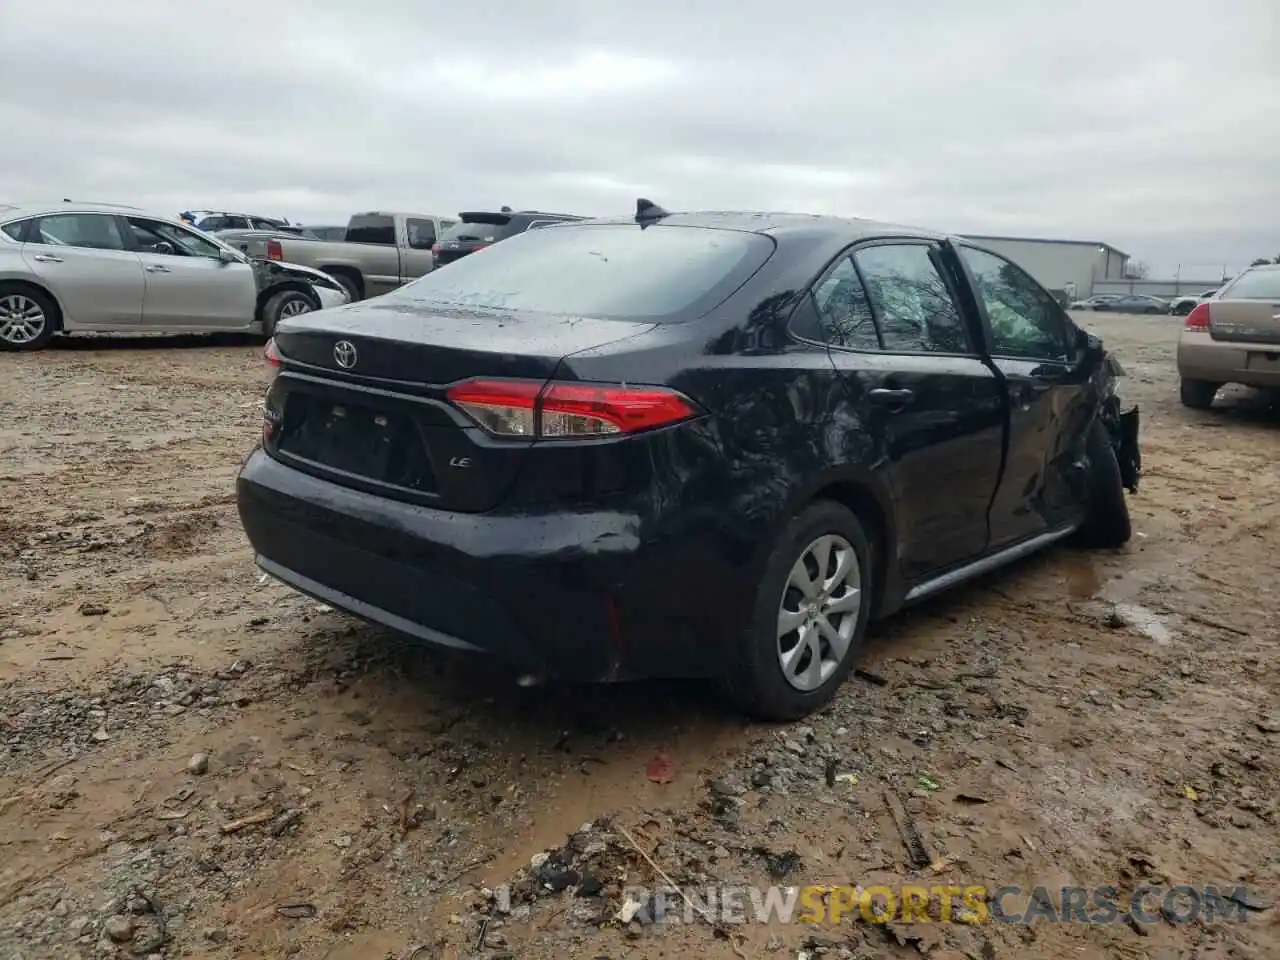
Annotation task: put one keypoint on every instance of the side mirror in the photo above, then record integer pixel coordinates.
(228, 256)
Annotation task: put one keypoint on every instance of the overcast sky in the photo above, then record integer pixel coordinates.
(1153, 126)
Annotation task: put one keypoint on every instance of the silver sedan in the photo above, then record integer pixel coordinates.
(69, 267)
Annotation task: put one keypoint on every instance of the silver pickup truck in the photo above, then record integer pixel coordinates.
(381, 251)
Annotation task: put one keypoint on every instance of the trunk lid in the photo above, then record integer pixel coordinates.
(421, 347)
(1245, 321)
(361, 398)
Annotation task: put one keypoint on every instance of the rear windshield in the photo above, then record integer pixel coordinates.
(486, 232)
(600, 270)
(1254, 285)
(372, 228)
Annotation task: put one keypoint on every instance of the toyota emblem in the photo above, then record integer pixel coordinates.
(344, 354)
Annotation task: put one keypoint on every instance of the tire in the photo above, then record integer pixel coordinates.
(1198, 394)
(1106, 522)
(28, 317)
(286, 303)
(755, 678)
(350, 285)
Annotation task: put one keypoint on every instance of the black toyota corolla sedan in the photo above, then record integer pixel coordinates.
(684, 444)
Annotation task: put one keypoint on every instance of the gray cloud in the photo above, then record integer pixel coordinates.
(1145, 124)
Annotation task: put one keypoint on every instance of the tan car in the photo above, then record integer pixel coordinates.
(1232, 338)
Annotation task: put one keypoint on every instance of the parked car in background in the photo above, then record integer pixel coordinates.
(1233, 337)
(1181, 306)
(70, 267)
(379, 252)
(213, 220)
(690, 444)
(1091, 303)
(478, 229)
(1132, 303)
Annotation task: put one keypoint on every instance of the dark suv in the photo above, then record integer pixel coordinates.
(477, 230)
(685, 444)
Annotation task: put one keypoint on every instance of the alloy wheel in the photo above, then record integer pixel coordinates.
(295, 307)
(818, 613)
(22, 320)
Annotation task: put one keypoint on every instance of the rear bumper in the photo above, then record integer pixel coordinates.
(1200, 357)
(578, 595)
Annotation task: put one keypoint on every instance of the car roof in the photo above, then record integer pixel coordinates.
(20, 211)
(798, 225)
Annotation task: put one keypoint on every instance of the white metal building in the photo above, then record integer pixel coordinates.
(1067, 268)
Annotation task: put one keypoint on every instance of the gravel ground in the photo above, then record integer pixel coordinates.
(196, 761)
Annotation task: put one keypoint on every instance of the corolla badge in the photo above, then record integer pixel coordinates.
(344, 354)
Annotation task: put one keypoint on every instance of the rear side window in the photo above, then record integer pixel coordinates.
(14, 230)
(1253, 285)
(372, 228)
(602, 270)
(90, 231)
(489, 230)
(843, 309)
(911, 300)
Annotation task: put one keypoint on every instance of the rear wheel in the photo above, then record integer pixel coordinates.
(283, 305)
(809, 616)
(28, 317)
(1106, 522)
(1198, 394)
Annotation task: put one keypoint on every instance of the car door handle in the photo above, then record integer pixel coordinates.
(46, 258)
(156, 268)
(891, 397)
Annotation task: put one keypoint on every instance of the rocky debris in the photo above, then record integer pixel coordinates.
(118, 928)
(73, 721)
(198, 765)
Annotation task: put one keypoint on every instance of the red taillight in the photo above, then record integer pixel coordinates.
(274, 250)
(566, 411)
(1198, 318)
(272, 353)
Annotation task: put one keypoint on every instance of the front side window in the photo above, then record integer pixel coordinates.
(91, 231)
(843, 309)
(602, 270)
(422, 233)
(158, 237)
(1025, 321)
(911, 300)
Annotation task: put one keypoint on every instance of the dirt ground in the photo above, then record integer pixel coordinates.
(196, 761)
